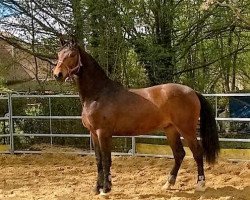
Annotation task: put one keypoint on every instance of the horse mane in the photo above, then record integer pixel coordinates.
(86, 57)
(92, 79)
(88, 60)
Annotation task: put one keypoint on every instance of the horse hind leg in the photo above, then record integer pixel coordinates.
(197, 151)
(175, 143)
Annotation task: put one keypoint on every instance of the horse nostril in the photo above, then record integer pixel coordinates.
(59, 76)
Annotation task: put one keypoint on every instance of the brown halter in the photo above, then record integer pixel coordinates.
(73, 71)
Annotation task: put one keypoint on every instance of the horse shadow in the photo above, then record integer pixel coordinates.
(227, 191)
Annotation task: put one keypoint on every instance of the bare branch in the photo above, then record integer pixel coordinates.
(242, 49)
(14, 43)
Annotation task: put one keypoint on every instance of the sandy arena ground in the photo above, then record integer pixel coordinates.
(68, 177)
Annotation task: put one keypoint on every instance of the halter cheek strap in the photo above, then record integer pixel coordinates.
(76, 69)
(73, 71)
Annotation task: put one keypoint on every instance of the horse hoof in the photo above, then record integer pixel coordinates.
(200, 186)
(102, 193)
(96, 190)
(167, 186)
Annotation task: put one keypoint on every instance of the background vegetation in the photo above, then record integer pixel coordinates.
(203, 44)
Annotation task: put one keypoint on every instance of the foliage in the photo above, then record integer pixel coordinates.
(33, 87)
(40, 107)
(204, 44)
(133, 73)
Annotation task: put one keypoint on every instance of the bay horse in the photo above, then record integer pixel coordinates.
(110, 109)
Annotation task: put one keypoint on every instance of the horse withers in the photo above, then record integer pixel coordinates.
(110, 109)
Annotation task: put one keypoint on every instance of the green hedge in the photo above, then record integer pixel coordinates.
(72, 107)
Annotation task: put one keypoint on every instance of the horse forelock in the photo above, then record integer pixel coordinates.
(69, 45)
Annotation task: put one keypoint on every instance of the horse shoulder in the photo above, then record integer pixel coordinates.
(97, 114)
(89, 112)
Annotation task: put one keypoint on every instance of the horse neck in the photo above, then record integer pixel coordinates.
(92, 79)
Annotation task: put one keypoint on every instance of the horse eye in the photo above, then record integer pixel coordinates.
(72, 54)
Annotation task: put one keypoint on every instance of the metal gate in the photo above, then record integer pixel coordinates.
(9, 116)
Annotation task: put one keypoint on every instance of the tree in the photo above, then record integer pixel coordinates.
(203, 45)
(33, 27)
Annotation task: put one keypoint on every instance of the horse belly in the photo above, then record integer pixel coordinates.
(131, 124)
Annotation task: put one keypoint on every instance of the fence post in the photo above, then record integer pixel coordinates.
(133, 146)
(216, 106)
(11, 124)
(90, 143)
(50, 123)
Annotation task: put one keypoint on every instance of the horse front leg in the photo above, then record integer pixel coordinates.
(105, 146)
(100, 176)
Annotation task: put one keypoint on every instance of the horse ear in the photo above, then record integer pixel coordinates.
(62, 41)
(73, 40)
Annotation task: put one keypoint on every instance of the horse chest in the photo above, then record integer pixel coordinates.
(92, 115)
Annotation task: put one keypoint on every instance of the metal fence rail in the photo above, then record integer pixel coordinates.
(9, 119)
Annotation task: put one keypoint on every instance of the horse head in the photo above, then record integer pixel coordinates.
(69, 60)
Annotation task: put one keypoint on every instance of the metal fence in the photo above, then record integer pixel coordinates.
(9, 115)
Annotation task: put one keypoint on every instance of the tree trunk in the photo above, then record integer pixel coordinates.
(163, 14)
(78, 20)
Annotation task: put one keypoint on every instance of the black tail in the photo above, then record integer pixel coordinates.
(208, 130)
